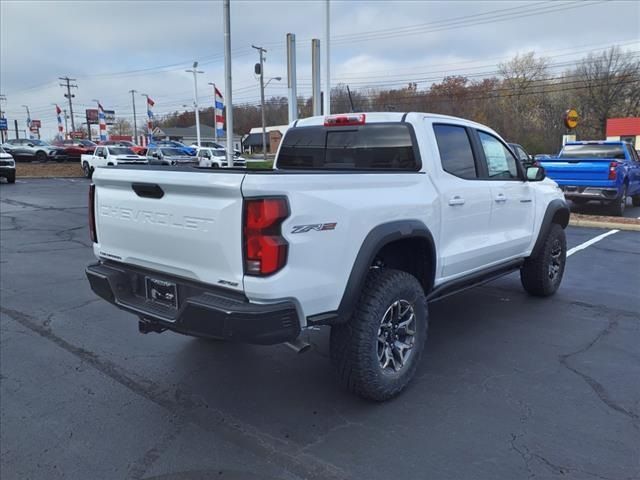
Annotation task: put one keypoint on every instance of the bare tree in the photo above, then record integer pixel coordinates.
(121, 126)
(610, 86)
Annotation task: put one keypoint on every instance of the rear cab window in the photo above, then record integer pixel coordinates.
(602, 150)
(373, 146)
(456, 154)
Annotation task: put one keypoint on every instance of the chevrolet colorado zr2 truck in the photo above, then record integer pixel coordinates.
(364, 219)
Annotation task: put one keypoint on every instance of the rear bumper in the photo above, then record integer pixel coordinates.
(590, 193)
(203, 310)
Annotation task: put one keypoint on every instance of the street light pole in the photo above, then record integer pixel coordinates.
(195, 72)
(262, 51)
(135, 124)
(228, 90)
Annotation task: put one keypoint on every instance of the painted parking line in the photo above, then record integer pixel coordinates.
(588, 243)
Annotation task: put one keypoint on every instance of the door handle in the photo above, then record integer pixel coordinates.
(500, 198)
(457, 200)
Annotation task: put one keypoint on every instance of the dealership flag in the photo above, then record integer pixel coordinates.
(60, 127)
(219, 106)
(150, 104)
(102, 122)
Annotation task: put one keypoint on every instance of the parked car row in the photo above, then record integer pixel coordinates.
(110, 155)
(33, 149)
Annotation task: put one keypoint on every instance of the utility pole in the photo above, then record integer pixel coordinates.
(195, 72)
(66, 124)
(135, 125)
(3, 98)
(227, 80)
(327, 78)
(262, 51)
(28, 120)
(69, 96)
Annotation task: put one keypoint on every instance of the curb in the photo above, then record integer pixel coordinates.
(632, 227)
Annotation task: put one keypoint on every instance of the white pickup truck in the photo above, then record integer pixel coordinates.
(106, 156)
(364, 219)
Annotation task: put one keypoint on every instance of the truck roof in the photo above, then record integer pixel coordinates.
(379, 117)
(597, 142)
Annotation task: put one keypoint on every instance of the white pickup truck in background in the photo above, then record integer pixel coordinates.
(365, 218)
(104, 156)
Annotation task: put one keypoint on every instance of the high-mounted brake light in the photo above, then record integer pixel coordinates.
(613, 173)
(92, 213)
(344, 120)
(265, 249)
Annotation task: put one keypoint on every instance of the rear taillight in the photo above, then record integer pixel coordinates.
(265, 249)
(92, 213)
(613, 173)
(344, 120)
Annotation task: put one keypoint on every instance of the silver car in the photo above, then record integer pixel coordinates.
(33, 149)
(170, 156)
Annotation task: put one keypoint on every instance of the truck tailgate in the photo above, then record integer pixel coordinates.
(588, 172)
(185, 223)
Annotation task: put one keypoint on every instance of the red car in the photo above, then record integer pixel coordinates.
(137, 149)
(75, 147)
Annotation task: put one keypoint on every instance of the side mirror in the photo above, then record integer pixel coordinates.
(536, 174)
(29, 144)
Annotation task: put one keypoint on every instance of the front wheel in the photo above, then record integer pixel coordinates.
(11, 177)
(635, 200)
(542, 273)
(41, 156)
(88, 171)
(376, 353)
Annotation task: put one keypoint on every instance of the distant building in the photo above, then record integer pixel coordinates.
(252, 143)
(627, 129)
(188, 136)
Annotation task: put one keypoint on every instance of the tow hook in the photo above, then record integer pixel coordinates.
(147, 326)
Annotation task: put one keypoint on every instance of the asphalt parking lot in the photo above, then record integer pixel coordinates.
(511, 386)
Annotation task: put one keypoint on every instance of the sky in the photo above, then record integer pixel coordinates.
(111, 47)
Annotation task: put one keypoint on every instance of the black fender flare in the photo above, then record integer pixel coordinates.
(557, 212)
(377, 238)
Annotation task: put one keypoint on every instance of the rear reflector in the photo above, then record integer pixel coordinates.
(344, 120)
(92, 213)
(265, 249)
(613, 173)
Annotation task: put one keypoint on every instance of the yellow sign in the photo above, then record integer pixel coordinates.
(571, 119)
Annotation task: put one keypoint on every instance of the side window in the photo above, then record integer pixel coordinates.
(501, 164)
(522, 155)
(455, 150)
(98, 152)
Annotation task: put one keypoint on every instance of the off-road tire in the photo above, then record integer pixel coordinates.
(88, 171)
(11, 177)
(535, 273)
(354, 344)
(619, 204)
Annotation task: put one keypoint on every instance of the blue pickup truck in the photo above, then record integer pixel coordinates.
(605, 171)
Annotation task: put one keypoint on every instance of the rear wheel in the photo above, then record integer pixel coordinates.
(376, 353)
(618, 205)
(542, 273)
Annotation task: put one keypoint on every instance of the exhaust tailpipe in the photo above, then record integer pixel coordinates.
(298, 346)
